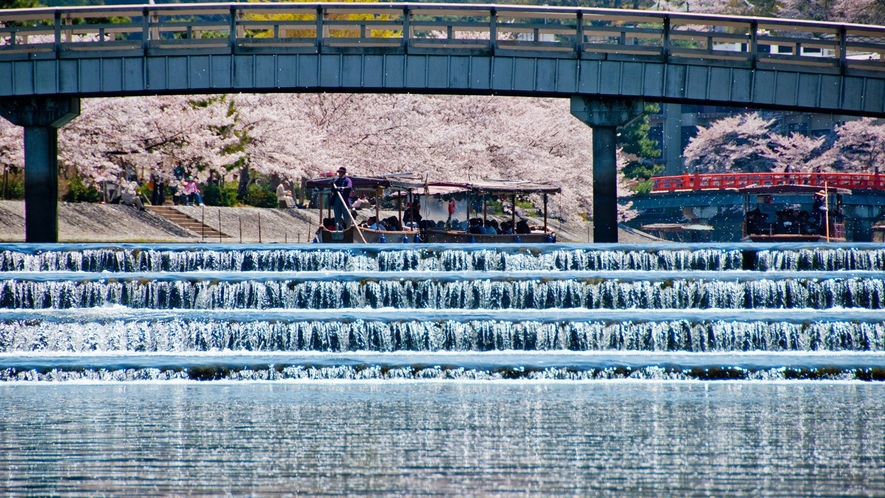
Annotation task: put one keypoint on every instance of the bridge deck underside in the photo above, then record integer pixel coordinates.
(506, 74)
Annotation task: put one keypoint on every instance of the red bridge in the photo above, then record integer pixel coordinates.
(721, 181)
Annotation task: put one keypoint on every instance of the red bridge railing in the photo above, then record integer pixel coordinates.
(719, 181)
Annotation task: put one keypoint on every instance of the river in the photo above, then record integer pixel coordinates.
(442, 370)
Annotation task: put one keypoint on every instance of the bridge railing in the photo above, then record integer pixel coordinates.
(82, 32)
(721, 181)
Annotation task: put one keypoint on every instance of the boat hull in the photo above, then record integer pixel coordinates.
(453, 237)
(350, 236)
(792, 238)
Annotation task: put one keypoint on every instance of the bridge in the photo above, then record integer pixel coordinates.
(716, 199)
(721, 181)
(608, 62)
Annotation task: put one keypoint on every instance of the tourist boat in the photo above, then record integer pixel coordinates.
(396, 187)
(680, 232)
(793, 213)
(453, 212)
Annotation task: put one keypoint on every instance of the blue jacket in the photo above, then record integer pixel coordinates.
(343, 185)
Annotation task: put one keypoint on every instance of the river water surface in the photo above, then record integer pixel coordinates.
(442, 370)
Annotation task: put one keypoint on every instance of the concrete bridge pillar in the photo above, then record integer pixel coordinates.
(41, 117)
(604, 115)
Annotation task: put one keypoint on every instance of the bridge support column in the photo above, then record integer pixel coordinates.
(604, 116)
(41, 117)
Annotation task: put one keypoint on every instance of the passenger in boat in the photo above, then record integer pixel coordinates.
(413, 213)
(490, 227)
(755, 221)
(794, 222)
(392, 223)
(507, 228)
(341, 188)
(374, 224)
(522, 226)
(475, 226)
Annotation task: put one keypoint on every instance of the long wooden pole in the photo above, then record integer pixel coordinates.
(378, 193)
(350, 215)
(827, 210)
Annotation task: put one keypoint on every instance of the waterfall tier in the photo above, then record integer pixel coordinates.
(404, 257)
(204, 303)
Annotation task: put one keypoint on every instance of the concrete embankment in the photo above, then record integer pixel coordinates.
(84, 222)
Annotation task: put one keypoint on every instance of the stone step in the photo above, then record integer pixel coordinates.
(187, 222)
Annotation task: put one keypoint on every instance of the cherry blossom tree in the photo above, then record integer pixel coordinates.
(148, 134)
(12, 156)
(495, 137)
(854, 11)
(292, 136)
(11, 145)
(734, 143)
(276, 138)
(797, 152)
(860, 146)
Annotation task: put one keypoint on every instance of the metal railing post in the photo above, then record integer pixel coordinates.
(754, 43)
(57, 21)
(407, 29)
(233, 29)
(579, 32)
(843, 49)
(493, 29)
(145, 29)
(665, 48)
(319, 40)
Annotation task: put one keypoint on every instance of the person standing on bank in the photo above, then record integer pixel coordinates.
(343, 186)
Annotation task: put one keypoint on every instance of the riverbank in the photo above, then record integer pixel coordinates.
(85, 222)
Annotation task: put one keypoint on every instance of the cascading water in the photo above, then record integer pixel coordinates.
(415, 311)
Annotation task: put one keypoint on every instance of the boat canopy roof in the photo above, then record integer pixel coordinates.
(398, 181)
(790, 190)
(494, 187)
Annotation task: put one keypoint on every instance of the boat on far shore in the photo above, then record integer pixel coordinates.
(802, 213)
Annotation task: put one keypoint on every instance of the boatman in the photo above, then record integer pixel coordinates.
(341, 189)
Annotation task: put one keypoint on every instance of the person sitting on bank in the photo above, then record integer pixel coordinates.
(284, 196)
(129, 196)
(361, 202)
(193, 193)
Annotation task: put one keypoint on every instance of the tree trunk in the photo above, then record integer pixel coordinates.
(243, 187)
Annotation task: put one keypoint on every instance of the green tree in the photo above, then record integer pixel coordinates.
(220, 195)
(642, 150)
(19, 4)
(79, 192)
(261, 195)
(634, 140)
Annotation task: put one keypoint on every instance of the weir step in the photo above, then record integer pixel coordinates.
(188, 222)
